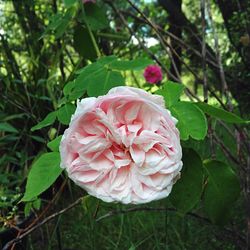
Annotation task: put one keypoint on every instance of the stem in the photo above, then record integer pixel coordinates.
(92, 37)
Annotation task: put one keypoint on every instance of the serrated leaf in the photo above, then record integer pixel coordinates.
(136, 64)
(54, 144)
(220, 114)
(42, 175)
(6, 127)
(48, 120)
(103, 81)
(85, 76)
(191, 120)
(221, 192)
(65, 112)
(171, 92)
(187, 191)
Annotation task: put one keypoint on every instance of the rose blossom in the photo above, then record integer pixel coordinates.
(153, 74)
(123, 147)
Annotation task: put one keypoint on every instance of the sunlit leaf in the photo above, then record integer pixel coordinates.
(42, 175)
(191, 120)
(54, 144)
(136, 64)
(103, 81)
(171, 92)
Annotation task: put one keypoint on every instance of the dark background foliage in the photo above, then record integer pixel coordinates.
(203, 44)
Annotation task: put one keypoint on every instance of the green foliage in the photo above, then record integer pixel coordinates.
(95, 17)
(136, 64)
(48, 120)
(187, 191)
(54, 144)
(42, 175)
(83, 43)
(46, 48)
(191, 120)
(171, 92)
(59, 23)
(6, 127)
(99, 77)
(221, 192)
(220, 114)
(103, 81)
(69, 3)
(65, 112)
(34, 204)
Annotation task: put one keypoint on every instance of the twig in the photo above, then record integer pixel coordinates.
(145, 209)
(161, 39)
(203, 50)
(152, 55)
(46, 220)
(218, 57)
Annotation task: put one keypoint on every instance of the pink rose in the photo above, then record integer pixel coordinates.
(153, 74)
(123, 147)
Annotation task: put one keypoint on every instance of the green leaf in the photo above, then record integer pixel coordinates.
(106, 60)
(69, 3)
(91, 68)
(171, 92)
(36, 204)
(85, 76)
(68, 88)
(221, 192)
(6, 127)
(38, 138)
(95, 16)
(54, 144)
(103, 81)
(65, 112)
(136, 64)
(187, 191)
(48, 120)
(220, 113)
(83, 44)
(191, 120)
(42, 175)
(62, 28)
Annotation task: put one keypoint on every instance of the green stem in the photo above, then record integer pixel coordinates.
(91, 33)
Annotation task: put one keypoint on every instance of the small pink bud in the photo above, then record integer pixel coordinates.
(153, 74)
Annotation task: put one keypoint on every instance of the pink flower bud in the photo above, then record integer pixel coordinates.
(153, 74)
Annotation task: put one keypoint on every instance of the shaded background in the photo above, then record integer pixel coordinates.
(42, 44)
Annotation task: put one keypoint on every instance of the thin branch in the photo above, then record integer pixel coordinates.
(145, 209)
(218, 57)
(46, 220)
(161, 39)
(203, 50)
